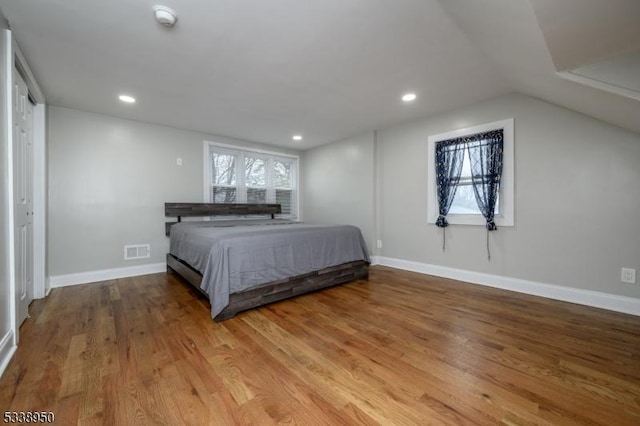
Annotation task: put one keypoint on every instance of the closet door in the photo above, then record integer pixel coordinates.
(23, 194)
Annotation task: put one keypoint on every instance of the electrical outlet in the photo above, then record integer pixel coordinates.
(379, 245)
(178, 161)
(628, 275)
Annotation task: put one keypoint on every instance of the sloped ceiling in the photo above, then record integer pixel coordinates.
(509, 32)
(594, 42)
(581, 32)
(265, 70)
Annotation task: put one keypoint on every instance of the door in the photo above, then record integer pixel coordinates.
(23, 193)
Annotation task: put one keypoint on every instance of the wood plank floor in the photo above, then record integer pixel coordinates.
(400, 349)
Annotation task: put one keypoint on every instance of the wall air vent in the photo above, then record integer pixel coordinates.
(139, 251)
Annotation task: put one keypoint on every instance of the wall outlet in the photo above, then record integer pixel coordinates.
(379, 244)
(178, 161)
(628, 275)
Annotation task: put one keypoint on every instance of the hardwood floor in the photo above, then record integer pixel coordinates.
(401, 349)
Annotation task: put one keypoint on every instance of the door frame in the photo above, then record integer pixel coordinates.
(14, 60)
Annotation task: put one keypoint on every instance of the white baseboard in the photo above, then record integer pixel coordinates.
(624, 304)
(105, 274)
(7, 349)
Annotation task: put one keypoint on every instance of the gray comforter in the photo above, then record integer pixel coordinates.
(233, 256)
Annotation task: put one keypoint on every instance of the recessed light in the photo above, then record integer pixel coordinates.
(297, 137)
(408, 97)
(126, 98)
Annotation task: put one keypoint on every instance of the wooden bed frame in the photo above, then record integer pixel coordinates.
(265, 293)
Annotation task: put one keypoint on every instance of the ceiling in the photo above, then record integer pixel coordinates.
(263, 71)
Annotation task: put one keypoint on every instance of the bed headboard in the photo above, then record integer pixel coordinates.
(181, 210)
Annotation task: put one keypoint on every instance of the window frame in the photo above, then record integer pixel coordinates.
(241, 187)
(507, 183)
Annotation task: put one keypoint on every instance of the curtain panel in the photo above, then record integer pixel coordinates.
(449, 159)
(485, 155)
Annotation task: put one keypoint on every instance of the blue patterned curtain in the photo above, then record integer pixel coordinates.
(449, 159)
(485, 154)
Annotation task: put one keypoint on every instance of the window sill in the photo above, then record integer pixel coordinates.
(473, 220)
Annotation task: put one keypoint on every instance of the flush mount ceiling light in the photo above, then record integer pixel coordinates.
(408, 97)
(165, 15)
(297, 137)
(128, 99)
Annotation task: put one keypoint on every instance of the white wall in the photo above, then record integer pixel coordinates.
(338, 184)
(108, 181)
(577, 198)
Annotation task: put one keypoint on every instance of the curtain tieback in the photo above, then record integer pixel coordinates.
(491, 226)
(442, 223)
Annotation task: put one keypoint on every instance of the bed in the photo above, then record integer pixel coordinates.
(253, 258)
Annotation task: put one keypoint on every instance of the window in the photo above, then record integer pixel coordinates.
(464, 201)
(464, 208)
(236, 175)
(223, 182)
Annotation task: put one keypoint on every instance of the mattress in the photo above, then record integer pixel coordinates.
(237, 255)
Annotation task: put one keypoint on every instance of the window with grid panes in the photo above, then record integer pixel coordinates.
(234, 175)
